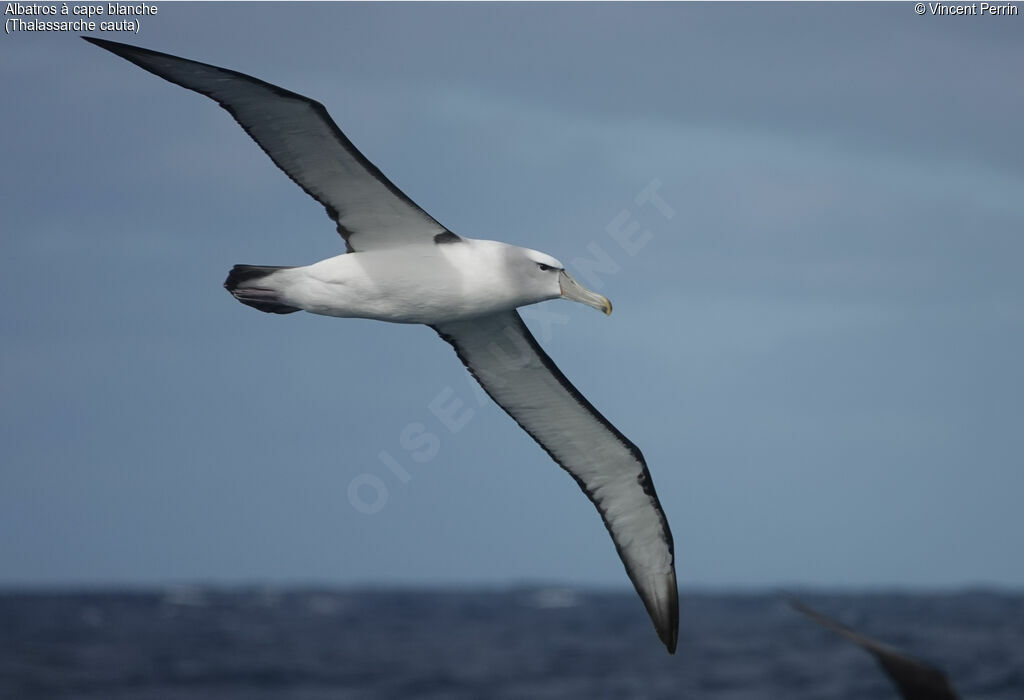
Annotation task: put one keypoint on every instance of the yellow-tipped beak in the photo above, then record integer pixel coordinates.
(574, 291)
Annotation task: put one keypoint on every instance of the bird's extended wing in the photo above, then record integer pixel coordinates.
(512, 368)
(301, 138)
(915, 679)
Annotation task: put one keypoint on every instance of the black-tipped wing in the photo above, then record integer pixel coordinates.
(512, 368)
(915, 679)
(301, 138)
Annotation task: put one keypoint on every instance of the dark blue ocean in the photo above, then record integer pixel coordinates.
(221, 644)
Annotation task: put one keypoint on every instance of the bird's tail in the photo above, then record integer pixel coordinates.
(244, 284)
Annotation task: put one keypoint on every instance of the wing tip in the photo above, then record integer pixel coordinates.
(107, 44)
(664, 612)
(670, 641)
(130, 53)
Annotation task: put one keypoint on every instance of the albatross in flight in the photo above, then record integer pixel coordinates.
(402, 266)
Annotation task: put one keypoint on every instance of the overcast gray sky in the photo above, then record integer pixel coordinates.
(819, 352)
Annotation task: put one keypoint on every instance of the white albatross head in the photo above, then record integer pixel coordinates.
(547, 276)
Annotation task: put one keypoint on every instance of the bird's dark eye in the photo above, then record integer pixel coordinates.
(544, 267)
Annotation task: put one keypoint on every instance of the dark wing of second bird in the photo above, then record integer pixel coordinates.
(915, 679)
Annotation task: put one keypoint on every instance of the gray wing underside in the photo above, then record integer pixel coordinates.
(514, 370)
(301, 138)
